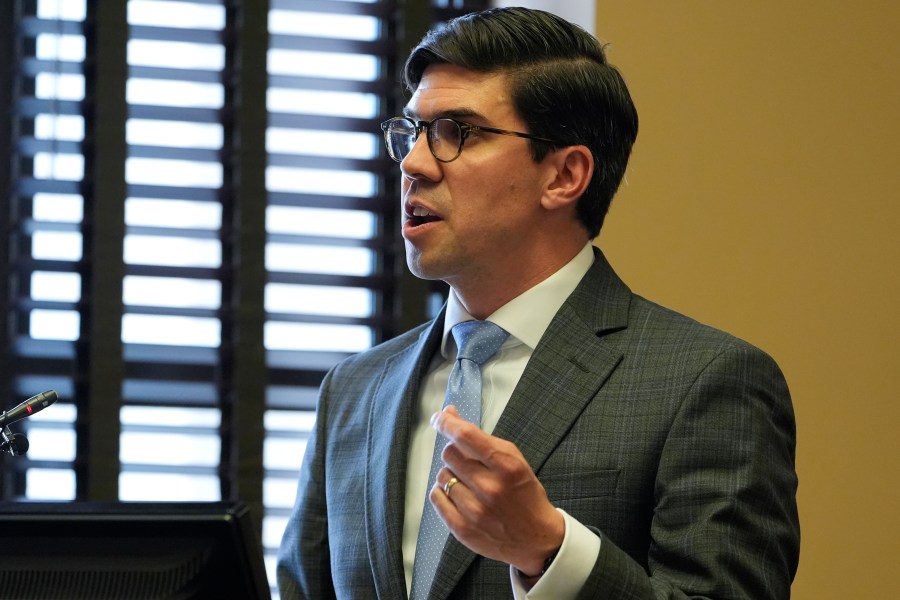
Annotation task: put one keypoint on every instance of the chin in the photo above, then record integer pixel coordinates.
(420, 271)
(420, 267)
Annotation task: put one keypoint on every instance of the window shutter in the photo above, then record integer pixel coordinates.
(201, 222)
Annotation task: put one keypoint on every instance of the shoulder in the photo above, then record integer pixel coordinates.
(387, 348)
(664, 346)
(381, 371)
(366, 364)
(654, 324)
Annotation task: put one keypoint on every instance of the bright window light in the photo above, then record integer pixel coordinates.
(171, 331)
(301, 258)
(316, 337)
(170, 416)
(186, 15)
(284, 453)
(273, 530)
(342, 144)
(178, 214)
(59, 127)
(63, 208)
(314, 102)
(165, 487)
(176, 55)
(51, 444)
(346, 27)
(54, 86)
(68, 10)
(56, 287)
(295, 421)
(176, 134)
(319, 300)
(56, 245)
(51, 435)
(49, 484)
(171, 291)
(172, 251)
(181, 173)
(170, 449)
(331, 65)
(186, 94)
(326, 182)
(330, 222)
(54, 325)
(62, 167)
(59, 47)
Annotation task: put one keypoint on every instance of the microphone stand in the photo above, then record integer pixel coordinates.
(15, 444)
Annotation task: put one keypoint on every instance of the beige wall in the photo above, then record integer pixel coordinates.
(764, 198)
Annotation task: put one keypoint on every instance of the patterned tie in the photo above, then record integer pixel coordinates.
(477, 342)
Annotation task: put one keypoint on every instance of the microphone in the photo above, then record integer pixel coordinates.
(28, 408)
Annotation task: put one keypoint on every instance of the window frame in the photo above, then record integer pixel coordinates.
(99, 363)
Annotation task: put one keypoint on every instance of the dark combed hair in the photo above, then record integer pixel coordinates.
(562, 87)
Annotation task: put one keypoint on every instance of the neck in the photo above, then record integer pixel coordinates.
(482, 296)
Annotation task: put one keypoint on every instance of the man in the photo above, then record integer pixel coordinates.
(624, 451)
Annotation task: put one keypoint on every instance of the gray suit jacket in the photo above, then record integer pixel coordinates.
(672, 440)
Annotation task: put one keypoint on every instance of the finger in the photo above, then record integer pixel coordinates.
(451, 409)
(450, 487)
(484, 483)
(471, 440)
(462, 465)
(455, 420)
(451, 500)
(451, 425)
(447, 481)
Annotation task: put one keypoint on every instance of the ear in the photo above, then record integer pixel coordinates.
(572, 169)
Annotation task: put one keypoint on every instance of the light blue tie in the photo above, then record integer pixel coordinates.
(477, 342)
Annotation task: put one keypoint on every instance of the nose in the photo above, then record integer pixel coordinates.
(420, 163)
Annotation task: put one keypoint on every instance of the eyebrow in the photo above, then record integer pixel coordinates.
(453, 113)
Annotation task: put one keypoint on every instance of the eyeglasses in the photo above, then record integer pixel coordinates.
(445, 136)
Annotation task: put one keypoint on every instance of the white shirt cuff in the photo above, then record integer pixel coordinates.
(569, 571)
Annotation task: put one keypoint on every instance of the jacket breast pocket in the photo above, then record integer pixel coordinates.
(562, 487)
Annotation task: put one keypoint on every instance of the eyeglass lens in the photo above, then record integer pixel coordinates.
(401, 135)
(444, 138)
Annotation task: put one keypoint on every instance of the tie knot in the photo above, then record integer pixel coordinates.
(478, 340)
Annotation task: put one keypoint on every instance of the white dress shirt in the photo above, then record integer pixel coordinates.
(526, 318)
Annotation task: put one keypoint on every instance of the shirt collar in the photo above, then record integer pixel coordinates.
(518, 316)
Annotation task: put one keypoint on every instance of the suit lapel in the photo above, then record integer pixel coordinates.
(392, 410)
(569, 365)
(566, 370)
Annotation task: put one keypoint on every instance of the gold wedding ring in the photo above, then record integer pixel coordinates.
(450, 483)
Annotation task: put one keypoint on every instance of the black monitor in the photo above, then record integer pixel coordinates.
(130, 551)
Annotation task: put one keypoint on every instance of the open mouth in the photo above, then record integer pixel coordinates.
(419, 216)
